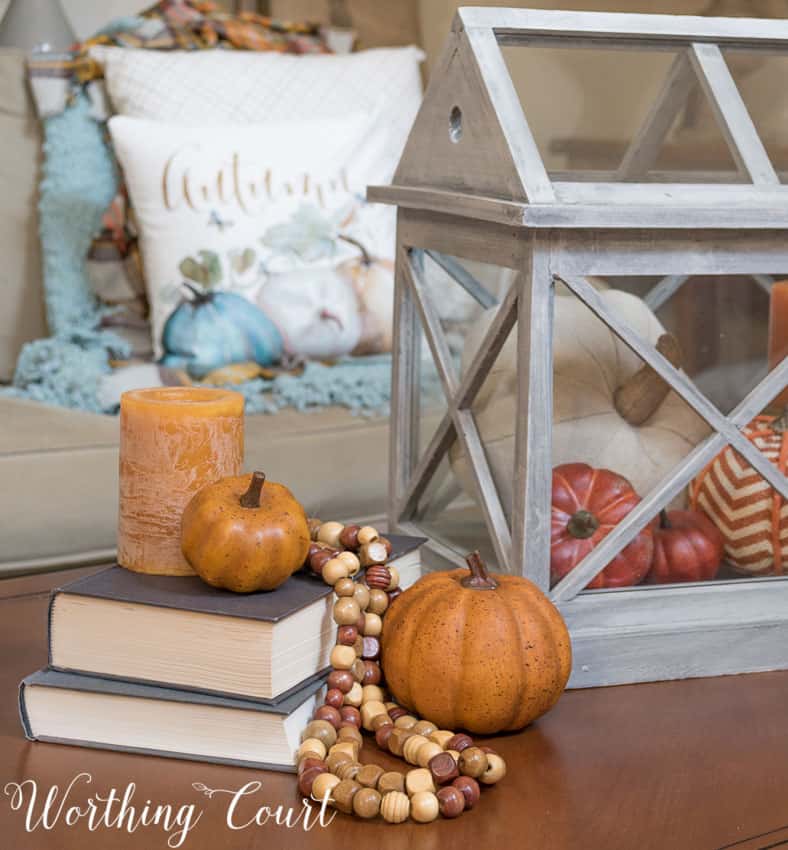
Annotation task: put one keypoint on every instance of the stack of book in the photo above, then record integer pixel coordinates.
(174, 667)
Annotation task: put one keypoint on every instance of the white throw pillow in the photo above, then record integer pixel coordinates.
(246, 87)
(274, 213)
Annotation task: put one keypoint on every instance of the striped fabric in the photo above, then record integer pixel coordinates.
(751, 515)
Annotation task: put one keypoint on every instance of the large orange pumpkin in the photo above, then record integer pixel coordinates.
(244, 534)
(468, 650)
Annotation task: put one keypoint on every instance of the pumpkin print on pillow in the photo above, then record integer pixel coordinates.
(274, 216)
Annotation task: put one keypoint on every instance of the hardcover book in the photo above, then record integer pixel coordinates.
(88, 711)
(180, 632)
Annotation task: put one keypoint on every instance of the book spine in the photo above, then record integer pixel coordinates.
(23, 713)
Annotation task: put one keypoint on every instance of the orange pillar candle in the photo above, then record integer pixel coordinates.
(778, 333)
(173, 441)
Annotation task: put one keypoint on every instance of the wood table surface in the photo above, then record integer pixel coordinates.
(696, 764)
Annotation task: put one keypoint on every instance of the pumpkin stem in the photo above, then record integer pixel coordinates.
(200, 295)
(664, 522)
(479, 579)
(638, 398)
(582, 525)
(365, 257)
(251, 498)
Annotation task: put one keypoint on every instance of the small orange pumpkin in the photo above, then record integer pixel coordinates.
(244, 533)
(485, 653)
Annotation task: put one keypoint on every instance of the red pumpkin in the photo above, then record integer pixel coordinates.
(587, 504)
(687, 547)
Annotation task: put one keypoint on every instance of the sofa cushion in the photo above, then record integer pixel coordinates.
(59, 476)
(22, 314)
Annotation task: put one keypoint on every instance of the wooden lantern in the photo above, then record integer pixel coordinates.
(471, 184)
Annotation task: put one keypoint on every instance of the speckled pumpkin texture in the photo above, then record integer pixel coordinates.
(244, 549)
(482, 660)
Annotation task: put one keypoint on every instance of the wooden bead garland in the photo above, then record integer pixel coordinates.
(447, 767)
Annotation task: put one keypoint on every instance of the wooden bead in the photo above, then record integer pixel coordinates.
(424, 807)
(459, 742)
(319, 559)
(349, 770)
(470, 790)
(424, 727)
(323, 731)
(454, 754)
(351, 748)
(442, 737)
(366, 534)
(394, 573)
(373, 625)
(347, 635)
(329, 533)
(387, 543)
(392, 780)
(473, 762)
(382, 735)
(360, 622)
(370, 646)
(369, 775)
(378, 601)
(350, 733)
(336, 759)
(451, 801)
(372, 673)
(345, 587)
(355, 695)
(314, 746)
(395, 807)
(334, 697)
(308, 761)
(426, 752)
(373, 692)
(346, 611)
(358, 670)
(373, 556)
(370, 710)
(313, 524)
(397, 741)
(381, 720)
(348, 537)
(330, 714)
(333, 571)
(443, 768)
(342, 657)
(351, 561)
(349, 712)
(366, 803)
(496, 769)
(358, 644)
(341, 680)
(343, 795)
(418, 779)
(397, 711)
(405, 721)
(411, 747)
(307, 779)
(362, 595)
(324, 784)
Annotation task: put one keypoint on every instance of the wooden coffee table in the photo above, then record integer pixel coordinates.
(700, 764)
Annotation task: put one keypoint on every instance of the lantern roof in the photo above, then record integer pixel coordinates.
(471, 151)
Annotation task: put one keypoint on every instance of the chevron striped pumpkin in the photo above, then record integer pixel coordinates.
(751, 515)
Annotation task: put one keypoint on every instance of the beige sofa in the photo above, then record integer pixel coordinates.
(58, 468)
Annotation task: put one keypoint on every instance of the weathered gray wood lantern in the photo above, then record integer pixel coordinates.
(471, 184)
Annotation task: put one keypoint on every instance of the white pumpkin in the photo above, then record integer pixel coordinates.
(373, 283)
(590, 364)
(315, 309)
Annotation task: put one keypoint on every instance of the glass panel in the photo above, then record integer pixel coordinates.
(448, 510)
(616, 416)
(604, 97)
